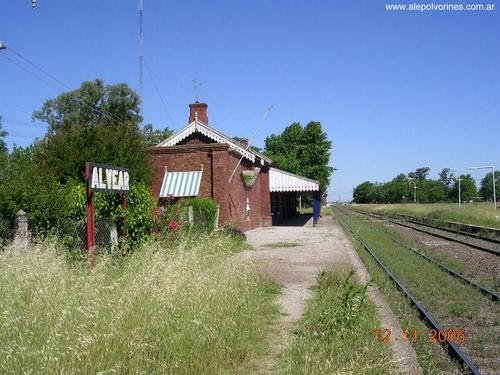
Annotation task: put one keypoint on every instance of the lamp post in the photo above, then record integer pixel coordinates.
(459, 188)
(414, 191)
(492, 167)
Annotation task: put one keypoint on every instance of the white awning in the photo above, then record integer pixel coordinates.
(280, 181)
(181, 184)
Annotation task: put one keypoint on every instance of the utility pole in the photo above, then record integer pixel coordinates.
(492, 167)
(459, 190)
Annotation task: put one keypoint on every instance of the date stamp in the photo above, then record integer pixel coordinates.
(454, 335)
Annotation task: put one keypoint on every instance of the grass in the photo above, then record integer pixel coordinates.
(188, 309)
(455, 264)
(481, 214)
(339, 318)
(309, 211)
(455, 302)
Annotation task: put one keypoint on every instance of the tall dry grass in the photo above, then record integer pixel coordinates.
(187, 309)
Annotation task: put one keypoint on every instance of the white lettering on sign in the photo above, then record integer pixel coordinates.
(109, 179)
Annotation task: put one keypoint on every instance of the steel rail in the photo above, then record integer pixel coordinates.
(460, 232)
(483, 290)
(453, 349)
(398, 222)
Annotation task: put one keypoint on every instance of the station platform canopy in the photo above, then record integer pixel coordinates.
(281, 181)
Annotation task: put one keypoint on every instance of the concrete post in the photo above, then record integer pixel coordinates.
(21, 236)
(190, 216)
(113, 235)
(216, 224)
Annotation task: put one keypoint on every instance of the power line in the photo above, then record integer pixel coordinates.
(30, 72)
(13, 121)
(150, 73)
(93, 107)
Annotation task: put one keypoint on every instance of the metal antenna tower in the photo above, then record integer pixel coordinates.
(139, 42)
(196, 86)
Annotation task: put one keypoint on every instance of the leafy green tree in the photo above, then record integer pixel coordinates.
(468, 189)
(430, 191)
(419, 174)
(367, 192)
(486, 189)
(302, 150)
(154, 136)
(3, 134)
(446, 179)
(23, 185)
(98, 123)
(397, 190)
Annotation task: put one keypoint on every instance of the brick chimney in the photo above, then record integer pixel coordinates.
(244, 143)
(198, 110)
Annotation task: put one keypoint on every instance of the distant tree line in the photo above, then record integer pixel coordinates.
(444, 189)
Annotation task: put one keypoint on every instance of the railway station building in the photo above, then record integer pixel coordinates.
(199, 161)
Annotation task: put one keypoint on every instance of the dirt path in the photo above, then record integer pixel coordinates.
(292, 256)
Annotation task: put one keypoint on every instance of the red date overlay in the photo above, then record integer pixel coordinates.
(454, 335)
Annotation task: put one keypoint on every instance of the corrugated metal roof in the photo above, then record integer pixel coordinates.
(280, 181)
(181, 184)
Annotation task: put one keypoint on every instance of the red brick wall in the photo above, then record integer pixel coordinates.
(258, 196)
(231, 197)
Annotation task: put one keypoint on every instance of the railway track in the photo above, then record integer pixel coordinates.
(477, 242)
(488, 292)
(452, 347)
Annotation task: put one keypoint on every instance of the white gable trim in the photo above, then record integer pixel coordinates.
(211, 133)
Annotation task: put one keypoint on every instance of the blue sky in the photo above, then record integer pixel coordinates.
(393, 90)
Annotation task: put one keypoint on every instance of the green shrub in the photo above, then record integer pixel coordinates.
(204, 212)
(137, 220)
(23, 185)
(139, 214)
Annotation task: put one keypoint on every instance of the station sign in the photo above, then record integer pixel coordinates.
(108, 179)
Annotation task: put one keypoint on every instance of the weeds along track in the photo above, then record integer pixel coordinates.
(480, 266)
(438, 294)
(475, 241)
(488, 292)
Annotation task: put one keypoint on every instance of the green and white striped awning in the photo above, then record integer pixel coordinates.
(181, 184)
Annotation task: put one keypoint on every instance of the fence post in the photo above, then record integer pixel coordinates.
(21, 236)
(190, 216)
(113, 235)
(216, 224)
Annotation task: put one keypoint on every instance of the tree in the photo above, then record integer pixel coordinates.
(446, 179)
(486, 189)
(419, 174)
(430, 191)
(397, 190)
(95, 122)
(3, 134)
(366, 192)
(468, 189)
(23, 185)
(154, 136)
(302, 150)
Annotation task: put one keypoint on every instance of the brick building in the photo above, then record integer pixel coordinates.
(199, 161)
